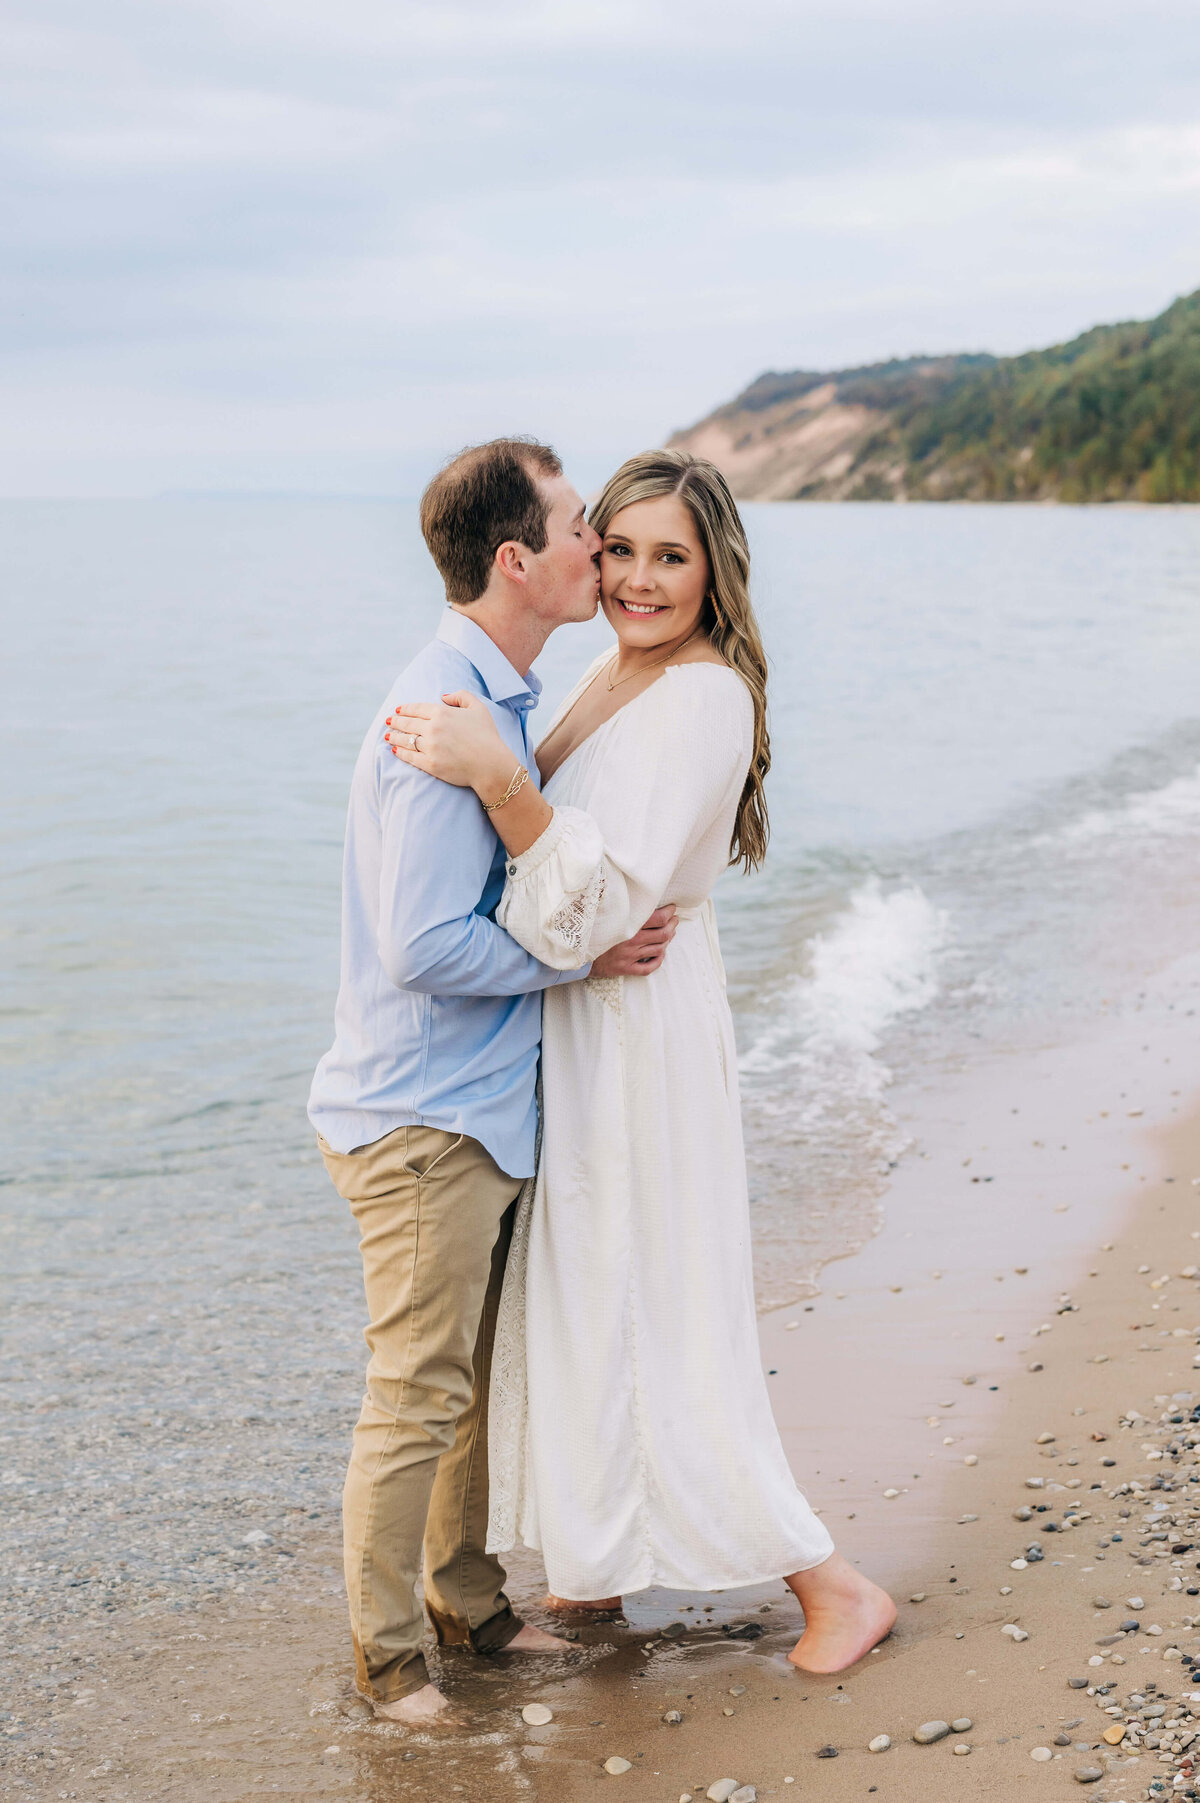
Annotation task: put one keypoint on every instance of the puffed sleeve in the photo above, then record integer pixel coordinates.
(593, 879)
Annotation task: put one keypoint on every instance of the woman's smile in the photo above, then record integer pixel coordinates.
(640, 607)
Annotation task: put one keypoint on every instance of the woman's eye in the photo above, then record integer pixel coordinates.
(672, 557)
(617, 550)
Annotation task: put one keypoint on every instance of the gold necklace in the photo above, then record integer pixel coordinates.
(651, 666)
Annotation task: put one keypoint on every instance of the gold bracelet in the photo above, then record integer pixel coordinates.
(520, 778)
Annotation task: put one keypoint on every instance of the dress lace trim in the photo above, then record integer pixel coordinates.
(508, 1395)
(571, 923)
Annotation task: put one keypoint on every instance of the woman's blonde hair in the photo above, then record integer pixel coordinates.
(729, 616)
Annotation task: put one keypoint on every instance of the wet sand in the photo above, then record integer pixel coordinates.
(1038, 1186)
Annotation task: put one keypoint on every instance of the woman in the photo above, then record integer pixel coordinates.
(632, 1437)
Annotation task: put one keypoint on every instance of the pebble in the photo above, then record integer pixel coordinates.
(616, 1765)
(1088, 1774)
(1044, 1440)
(1076, 1683)
(1018, 1565)
(1041, 1754)
(918, 1596)
(961, 1750)
(537, 1715)
(674, 1630)
(1024, 1513)
(827, 1752)
(673, 1716)
(971, 1459)
(1114, 1735)
(1134, 1602)
(745, 1793)
(880, 1744)
(722, 1790)
(928, 1732)
(1101, 1602)
(962, 1724)
(1035, 1483)
(1015, 1633)
(891, 1493)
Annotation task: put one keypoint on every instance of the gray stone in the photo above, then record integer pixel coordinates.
(1088, 1774)
(1077, 1683)
(962, 1724)
(537, 1715)
(746, 1794)
(827, 1752)
(1130, 1625)
(1101, 1602)
(674, 1630)
(673, 1716)
(880, 1744)
(928, 1732)
(616, 1765)
(722, 1790)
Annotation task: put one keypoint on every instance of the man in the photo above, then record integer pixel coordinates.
(425, 1106)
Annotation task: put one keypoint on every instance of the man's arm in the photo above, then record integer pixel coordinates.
(437, 850)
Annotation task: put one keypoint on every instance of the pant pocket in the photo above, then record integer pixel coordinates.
(420, 1163)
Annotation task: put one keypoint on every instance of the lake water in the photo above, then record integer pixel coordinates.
(986, 810)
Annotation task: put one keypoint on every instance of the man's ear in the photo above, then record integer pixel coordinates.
(512, 561)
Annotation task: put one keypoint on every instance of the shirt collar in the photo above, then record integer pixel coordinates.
(500, 680)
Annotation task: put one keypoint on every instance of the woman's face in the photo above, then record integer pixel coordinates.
(653, 573)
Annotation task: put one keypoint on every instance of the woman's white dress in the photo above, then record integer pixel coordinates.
(631, 1438)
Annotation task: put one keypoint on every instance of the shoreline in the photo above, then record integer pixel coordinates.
(1073, 1149)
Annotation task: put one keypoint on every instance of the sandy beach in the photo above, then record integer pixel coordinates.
(1008, 1365)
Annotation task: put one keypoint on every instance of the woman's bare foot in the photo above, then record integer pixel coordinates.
(535, 1640)
(417, 1708)
(566, 1605)
(845, 1615)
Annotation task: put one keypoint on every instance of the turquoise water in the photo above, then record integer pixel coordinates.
(986, 807)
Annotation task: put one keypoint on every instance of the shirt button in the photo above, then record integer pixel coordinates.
(511, 868)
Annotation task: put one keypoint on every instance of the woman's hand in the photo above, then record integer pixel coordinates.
(455, 740)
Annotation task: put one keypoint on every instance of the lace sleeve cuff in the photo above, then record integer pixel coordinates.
(554, 888)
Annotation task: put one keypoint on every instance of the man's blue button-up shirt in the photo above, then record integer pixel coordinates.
(439, 1013)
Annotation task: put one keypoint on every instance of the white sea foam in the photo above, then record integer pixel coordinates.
(1170, 812)
(876, 962)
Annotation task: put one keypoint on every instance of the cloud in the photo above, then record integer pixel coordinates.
(298, 244)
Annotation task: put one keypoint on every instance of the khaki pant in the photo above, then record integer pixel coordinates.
(435, 1214)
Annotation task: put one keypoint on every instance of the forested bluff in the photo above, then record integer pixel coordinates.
(1113, 415)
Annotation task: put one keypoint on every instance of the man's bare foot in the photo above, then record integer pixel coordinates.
(418, 1707)
(845, 1615)
(566, 1605)
(529, 1639)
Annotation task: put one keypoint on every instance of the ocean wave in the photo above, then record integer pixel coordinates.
(1172, 811)
(877, 961)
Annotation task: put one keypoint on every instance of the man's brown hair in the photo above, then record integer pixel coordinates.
(485, 496)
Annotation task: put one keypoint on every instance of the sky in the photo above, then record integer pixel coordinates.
(317, 245)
